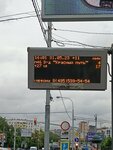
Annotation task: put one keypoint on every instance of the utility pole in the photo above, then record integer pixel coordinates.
(14, 147)
(95, 122)
(48, 99)
(110, 52)
(72, 140)
(112, 91)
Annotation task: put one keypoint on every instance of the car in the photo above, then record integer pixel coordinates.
(4, 148)
(85, 147)
(33, 148)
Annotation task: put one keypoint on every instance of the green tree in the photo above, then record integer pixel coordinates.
(3, 125)
(8, 131)
(37, 139)
(106, 144)
(10, 136)
(54, 137)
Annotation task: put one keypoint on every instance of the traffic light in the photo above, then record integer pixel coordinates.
(35, 121)
(76, 146)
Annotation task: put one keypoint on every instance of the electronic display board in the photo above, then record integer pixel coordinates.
(67, 68)
(77, 10)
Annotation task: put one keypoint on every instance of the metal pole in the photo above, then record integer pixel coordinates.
(95, 122)
(49, 34)
(112, 91)
(111, 52)
(72, 126)
(47, 121)
(48, 97)
(14, 137)
(72, 119)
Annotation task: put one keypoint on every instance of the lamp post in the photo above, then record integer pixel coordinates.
(72, 118)
(14, 146)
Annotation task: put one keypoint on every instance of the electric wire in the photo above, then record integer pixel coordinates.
(92, 119)
(66, 41)
(83, 32)
(37, 11)
(109, 70)
(17, 18)
(64, 105)
(66, 30)
(58, 42)
(18, 14)
(63, 43)
(76, 43)
(30, 113)
(42, 113)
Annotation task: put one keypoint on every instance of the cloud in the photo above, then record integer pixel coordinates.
(4, 6)
(15, 37)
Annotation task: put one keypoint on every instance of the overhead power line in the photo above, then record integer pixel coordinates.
(92, 119)
(17, 18)
(76, 43)
(64, 105)
(18, 14)
(21, 113)
(83, 32)
(31, 14)
(66, 41)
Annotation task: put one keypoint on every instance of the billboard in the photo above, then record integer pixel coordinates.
(67, 68)
(77, 10)
(96, 137)
(26, 132)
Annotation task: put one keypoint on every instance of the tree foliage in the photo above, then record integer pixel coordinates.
(37, 138)
(3, 125)
(7, 131)
(106, 144)
(54, 137)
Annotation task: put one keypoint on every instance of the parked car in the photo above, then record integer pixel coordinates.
(85, 147)
(33, 148)
(4, 148)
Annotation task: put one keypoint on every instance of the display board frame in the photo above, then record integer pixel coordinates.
(43, 51)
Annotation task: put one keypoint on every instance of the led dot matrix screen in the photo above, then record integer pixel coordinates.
(67, 68)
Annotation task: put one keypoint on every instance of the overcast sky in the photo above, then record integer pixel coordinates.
(16, 36)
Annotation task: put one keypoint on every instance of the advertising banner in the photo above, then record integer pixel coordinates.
(77, 10)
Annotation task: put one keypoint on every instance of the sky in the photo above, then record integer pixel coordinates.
(16, 36)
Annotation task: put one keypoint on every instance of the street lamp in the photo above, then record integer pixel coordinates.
(72, 118)
(14, 137)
